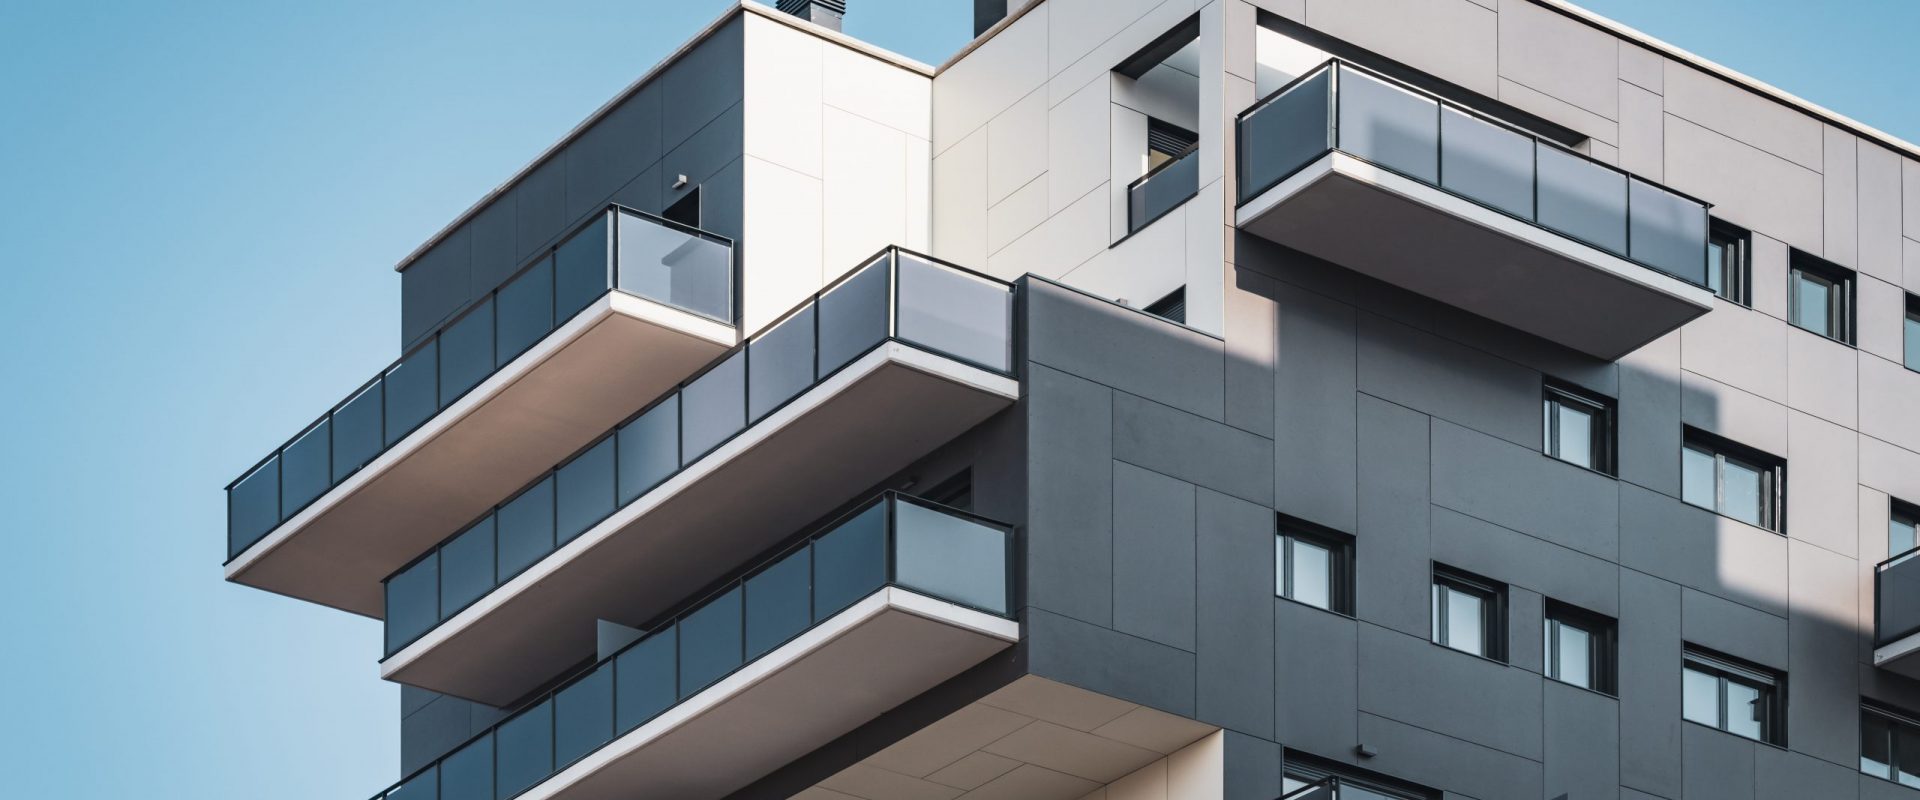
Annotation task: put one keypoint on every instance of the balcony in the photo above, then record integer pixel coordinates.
(878, 369)
(1163, 189)
(1331, 788)
(1399, 185)
(881, 606)
(626, 307)
(1896, 614)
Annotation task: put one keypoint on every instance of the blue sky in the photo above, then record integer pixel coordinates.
(200, 203)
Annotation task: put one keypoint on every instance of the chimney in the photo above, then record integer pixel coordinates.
(825, 13)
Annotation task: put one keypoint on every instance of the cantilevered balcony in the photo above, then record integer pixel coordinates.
(625, 308)
(877, 370)
(1399, 185)
(888, 602)
(1896, 614)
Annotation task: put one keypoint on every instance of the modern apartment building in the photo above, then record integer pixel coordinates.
(1160, 399)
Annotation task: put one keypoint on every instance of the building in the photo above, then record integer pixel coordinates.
(1450, 398)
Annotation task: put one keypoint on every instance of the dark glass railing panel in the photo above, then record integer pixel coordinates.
(466, 565)
(411, 598)
(1896, 598)
(1422, 137)
(899, 296)
(1163, 189)
(891, 540)
(658, 260)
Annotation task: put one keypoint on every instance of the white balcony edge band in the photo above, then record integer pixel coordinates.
(755, 433)
(1906, 646)
(613, 303)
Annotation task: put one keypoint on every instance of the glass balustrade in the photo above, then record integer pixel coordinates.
(618, 250)
(1409, 132)
(1896, 598)
(896, 296)
(1163, 189)
(891, 540)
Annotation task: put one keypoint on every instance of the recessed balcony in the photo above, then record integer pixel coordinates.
(1896, 614)
(1399, 185)
(626, 307)
(877, 370)
(890, 601)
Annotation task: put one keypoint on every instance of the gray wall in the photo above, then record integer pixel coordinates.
(684, 121)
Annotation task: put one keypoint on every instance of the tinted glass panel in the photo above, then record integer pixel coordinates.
(466, 567)
(1812, 298)
(1575, 434)
(1668, 232)
(1464, 615)
(304, 472)
(710, 642)
(1284, 135)
(523, 751)
(649, 449)
(780, 364)
(583, 716)
(526, 529)
(580, 270)
(425, 786)
(1486, 162)
(253, 506)
(645, 674)
(356, 432)
(1700, 698)
(1744, 710)
(1876, 755)
(1696, 477)
(1900, 537)
(778, 602)
(1717, 267)
(950, 557)
(1168, 188)
(412, 602)
(850, 562)
(468, 773)
(1582, 199)
(713, 407)
(954, 313)
(411, 392)
(853, 316)
(1312, 572)
(584, 491)
(1575, 653)
(466, 352)
(1389, 126)
(525, 309)
(1741, 491)
(673, 267)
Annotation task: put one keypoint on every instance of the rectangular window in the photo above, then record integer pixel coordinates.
(1313, 566)
(1733, 696)
(1903, 528)
(1820, 297)
(1580, 647)
(1727, 263)
(1469, 613)
(1889, 745)
(1911, 353)
(1303, 770)
(1733, 481)
(1578, 428)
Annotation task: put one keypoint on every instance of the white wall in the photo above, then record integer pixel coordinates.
(836, 151)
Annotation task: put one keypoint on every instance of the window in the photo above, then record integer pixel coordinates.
(1313, 566)
(686, 210)
(1579, 647)
(1469, 613)
(1739, 698)
(1578, 428)
(1903, 528)
(1172, 307)
(1733, 481)
(1727, 263)
(1912, 326)
(1167, 141)
(1889, 745)
(1820, 298)
(1302, 770)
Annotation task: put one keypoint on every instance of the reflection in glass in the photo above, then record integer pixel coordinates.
(525, 310)
(1464, 614)
(253, 506)
(580, 270)
(645, 677)
(303, 468)
(356, 431)
(466, 351)
(649, 449)
(466, 567)
(1389, 126)
(954, 313)
(950, 557)
(1700, 698)
(1696, 478)
(412, 602)
(1745, 711)
(583, 716)
(1312, 572)
(675, 267)
(713, 407)
(468, 773)
(850, 562)
(1812, 298)
(1667, 231)
(853, 316)
(1741, 491)
(1575, 430)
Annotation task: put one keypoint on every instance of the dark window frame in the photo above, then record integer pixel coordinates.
(1772, 469)
(1340, 557)
(1770, 685)
(1899, 510)
(1602, 647)
(1735, 268)
(1309, 769)
(1909, 355)
(1894, 720)
(1493, 610)
(1604, 437)
(1842, 284)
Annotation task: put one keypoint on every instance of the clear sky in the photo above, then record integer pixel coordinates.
(200, 205)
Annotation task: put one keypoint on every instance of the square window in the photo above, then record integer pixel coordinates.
(1733, 481)
(1580, 647)
(1313, 566)
(1730, 695)
(1820, 297)
(1727, 263)
(1469, 613)
(1578, 427)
